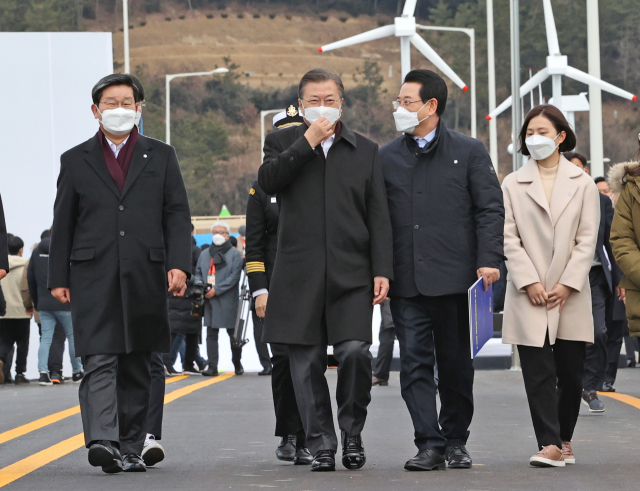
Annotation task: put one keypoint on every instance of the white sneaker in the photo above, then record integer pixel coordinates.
(152, 451)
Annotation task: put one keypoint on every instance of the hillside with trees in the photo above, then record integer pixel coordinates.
(268, 44)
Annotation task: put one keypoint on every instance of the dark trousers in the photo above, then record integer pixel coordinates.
(385, 353)
(430, 329)
(212, 348)
(615, 334)
(156, 395)
(261, 348)
(190, 349)
(15, 331)
(553, 382)
(288, 420)
(114, 399)
(595, 363)
(6, 369)
(353, 393)
(57, 348)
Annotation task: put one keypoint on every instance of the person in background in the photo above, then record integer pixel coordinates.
(624, 181)
(52, 313)
(604, 279)
(15, 324)
(604, 188)
(242, 239)
(120, 241)
(448, 218)
(387, 337)
(550, 234)
(221, 267)
(4, 248)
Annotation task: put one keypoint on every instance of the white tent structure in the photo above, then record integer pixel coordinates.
(403, 27)
(557, 67)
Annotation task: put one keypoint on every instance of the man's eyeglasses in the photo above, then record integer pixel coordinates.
(405, 104)
(318, 102)
(115, 105)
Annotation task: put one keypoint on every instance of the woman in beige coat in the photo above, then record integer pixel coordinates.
(552, 216)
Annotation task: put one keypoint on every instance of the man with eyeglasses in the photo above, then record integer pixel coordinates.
(333, 263)
(447, 215)
(120, 240)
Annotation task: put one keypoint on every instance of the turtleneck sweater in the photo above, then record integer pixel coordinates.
(548, 177)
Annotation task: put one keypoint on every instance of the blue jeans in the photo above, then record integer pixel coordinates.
(48, 319)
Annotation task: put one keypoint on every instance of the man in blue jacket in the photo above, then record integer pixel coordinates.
(447, 216)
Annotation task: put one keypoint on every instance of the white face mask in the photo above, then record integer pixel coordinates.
(541, 147)
(313, 114)
(218, 239)
(118, 121)
(406, 120)
(138, 118)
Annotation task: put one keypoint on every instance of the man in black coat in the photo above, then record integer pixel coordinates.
(120, 239)
(447, 215)
(604, 278)
(4, 248)
(334, 261)
(260, 253)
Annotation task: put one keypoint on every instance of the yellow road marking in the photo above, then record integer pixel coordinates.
(27, 465)
(632, 401)
(54, 418)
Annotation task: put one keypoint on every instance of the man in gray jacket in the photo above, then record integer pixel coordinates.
(221, 267)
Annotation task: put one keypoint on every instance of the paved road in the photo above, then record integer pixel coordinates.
(219, 436)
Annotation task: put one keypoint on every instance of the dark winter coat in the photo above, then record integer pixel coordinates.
(4, 247)
(113, 250)
(262, 237)
(447, 213)
(37, 278)
(334, 237)
(180, 319)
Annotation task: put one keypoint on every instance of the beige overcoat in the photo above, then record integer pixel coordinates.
(549, 243)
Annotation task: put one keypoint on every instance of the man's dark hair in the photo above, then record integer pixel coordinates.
(118, 79)
(559, 122)
(433, 87)
(46, 234)
(15, 244)
(319, 75)
(576, 155)
(599, 179)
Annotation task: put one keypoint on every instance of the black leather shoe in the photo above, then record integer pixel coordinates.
(210, 372)
(458, 457)
(303, 457)
(287, 448)
(133, 463)
(426, 460)
(324, 461)
(266, 371)
(104, 454)
(239, 370)
(353, 455)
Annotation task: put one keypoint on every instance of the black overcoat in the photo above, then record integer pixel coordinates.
(446, 210)
(113, 250)
(4, 249)
(334, 237)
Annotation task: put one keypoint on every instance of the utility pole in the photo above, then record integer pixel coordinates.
(516, 117)
(491, 60)
(596, 138)
(125, 30)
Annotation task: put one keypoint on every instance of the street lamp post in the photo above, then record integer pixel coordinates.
(472, 43)
(125, 31)
(168, 80)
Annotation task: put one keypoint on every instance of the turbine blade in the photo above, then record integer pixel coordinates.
(537, 79)
(379, 33)
(550, 27)
(585, 78)
(409, 8)
(434, 58)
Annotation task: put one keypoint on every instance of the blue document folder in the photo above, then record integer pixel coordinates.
(480, 316)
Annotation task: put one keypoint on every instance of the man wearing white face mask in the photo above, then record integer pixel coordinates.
(333, 263)
(120, 240)
(447, 216)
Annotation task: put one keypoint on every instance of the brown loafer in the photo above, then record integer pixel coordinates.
(378, 381)
(567, 453)
(549, 456)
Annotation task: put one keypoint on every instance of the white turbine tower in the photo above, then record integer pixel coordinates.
(404, 27)
(557, 66)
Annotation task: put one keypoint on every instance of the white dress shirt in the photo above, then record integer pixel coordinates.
(326, 145)
(423, 142)
(116, 149)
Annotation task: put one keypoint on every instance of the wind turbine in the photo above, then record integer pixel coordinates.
(403, 27)
(557, 66)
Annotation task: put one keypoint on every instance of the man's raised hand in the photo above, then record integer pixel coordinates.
(318, 132)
